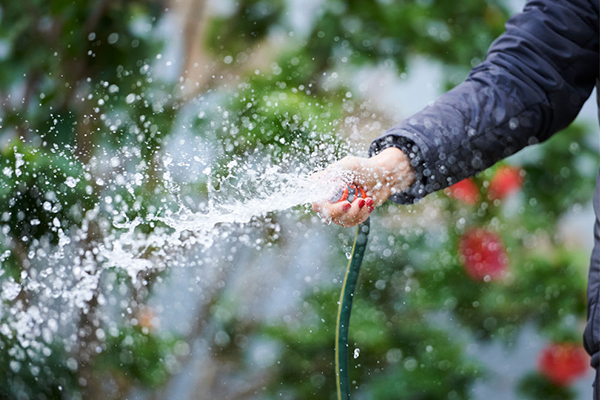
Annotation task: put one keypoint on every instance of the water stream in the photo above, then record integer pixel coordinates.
(64, 278)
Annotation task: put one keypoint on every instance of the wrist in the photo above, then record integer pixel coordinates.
(395, 169)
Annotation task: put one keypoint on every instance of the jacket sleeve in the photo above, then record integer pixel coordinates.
(533, 83)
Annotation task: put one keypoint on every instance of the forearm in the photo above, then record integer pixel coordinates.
(533, 83)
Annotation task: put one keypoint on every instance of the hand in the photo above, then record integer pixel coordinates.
(381, 176)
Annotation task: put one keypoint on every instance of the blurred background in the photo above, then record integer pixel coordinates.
(131, 130)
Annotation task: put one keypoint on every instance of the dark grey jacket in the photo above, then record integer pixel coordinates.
(533, 83)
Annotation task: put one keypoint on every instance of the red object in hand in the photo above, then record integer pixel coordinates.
(349, 192)
(465, 190)
(563, 363)
(482, 254)
(505, 181)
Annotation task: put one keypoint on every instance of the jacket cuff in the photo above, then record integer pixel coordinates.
(406, 143)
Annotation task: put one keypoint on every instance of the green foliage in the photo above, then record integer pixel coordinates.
(34, 373)
(139, 357)
(75, 62)
(77, 85)
(281, 119)
(562, 176)
(40, 187)
(543, 289)
(359, 32)
(397, 350)
(247, 25)
(370, 31)
(536, 387)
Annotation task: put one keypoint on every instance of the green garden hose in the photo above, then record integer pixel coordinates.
(342, 371)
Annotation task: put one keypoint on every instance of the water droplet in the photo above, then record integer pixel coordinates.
(10, 290)
(71, 182)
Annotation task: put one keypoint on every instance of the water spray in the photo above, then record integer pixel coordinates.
(342, 370)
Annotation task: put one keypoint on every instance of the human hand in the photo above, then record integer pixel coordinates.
(381, 176)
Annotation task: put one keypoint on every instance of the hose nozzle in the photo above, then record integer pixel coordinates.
(348, 192)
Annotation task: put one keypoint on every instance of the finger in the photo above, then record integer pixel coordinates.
(316, 207)
(321, 212)
(330, 211)
(355, 214)
(370, 204)
(364, 209)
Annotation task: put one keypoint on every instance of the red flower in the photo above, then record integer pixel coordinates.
(563, 363)
(482, 254)
(465, 190)
(505, 181)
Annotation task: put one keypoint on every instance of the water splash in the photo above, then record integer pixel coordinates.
(138, 238)
(128, 250)
(292, 190)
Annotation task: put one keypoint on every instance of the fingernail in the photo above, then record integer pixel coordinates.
(369, 202)
(346, 206)
(371, 208)
(361, 203)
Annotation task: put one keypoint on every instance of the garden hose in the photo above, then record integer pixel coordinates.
(342, 348)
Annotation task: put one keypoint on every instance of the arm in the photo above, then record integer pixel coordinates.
(533, 83)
